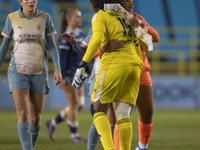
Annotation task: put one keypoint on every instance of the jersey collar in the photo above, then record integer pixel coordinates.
(111, 6)
(22, 15)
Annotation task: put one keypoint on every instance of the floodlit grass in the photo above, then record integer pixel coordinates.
(173, 130)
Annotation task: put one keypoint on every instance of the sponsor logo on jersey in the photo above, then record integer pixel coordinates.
(30, 36)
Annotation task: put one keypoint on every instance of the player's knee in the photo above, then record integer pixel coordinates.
(23, 116)
(122, 110)
(35, 122)
(122, 114)
(92, 110)
(147, 116)
(35, 119)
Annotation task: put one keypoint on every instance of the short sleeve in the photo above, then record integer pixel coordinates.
(7, 29)
(50, 28)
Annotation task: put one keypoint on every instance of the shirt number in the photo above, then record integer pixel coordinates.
(127, 28)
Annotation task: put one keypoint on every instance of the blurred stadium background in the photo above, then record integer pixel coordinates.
(174, 61)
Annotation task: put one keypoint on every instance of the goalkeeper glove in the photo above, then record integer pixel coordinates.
(79, 78)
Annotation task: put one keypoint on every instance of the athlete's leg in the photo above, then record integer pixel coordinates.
(51, 124)
(21, 98)
(36, 108)
(111, 118)
(122, 111)
(145, 104)
(114, 127)
(102, 125)
(116, 137)
(81, 94)
(93, 136)
(71, 94)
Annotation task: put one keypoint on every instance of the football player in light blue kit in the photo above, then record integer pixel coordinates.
(28, 70)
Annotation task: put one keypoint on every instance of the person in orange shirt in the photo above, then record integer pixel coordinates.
(145, 100)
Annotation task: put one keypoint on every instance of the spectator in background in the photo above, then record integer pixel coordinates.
(28, 70)
(70, 23)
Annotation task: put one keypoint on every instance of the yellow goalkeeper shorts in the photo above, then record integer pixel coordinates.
(119, 84)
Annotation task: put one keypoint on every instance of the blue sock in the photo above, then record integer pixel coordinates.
(93, 138)
(112, 130)
(25, 136)
(34, 134)
(72, 129)
(59, 119)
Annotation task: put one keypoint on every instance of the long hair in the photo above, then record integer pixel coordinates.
(66, 14)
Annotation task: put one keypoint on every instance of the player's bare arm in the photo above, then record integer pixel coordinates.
(57, 77)
(112, 46)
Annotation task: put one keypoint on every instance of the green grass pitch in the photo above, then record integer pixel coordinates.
(172, 130)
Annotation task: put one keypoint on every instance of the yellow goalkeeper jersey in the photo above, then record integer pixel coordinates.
(108, 25)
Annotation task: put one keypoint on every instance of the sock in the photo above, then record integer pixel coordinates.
(125, 133)
(25, 136)
(116, 137)
(102, 125)
(60, 117)
(34, 134)
(73, 128)
(145, 131)
(112, 130)
(93, 138)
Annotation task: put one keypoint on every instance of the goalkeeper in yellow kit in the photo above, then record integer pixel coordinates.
(118, 80)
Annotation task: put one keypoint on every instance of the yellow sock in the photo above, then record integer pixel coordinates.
(125, 133)
(102, 125)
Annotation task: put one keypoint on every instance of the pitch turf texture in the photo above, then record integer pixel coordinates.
(172, 130)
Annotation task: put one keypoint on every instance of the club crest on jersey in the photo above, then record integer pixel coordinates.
(39, 27)
(11, 83)
(19, 27)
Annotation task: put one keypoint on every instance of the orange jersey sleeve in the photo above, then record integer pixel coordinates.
(99, 53)
(151, 30)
